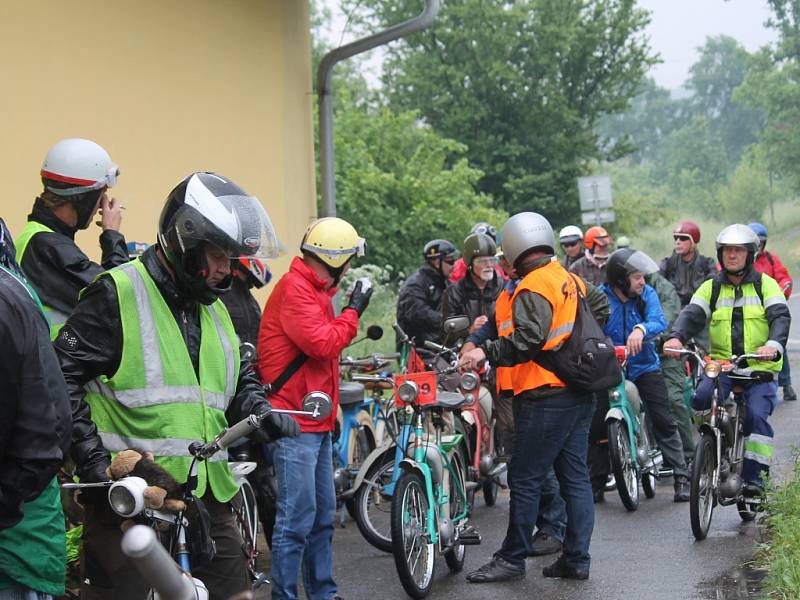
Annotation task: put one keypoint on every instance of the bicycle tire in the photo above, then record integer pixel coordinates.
(702, 497)
(371, 507)
(622, 458)
(409, 536)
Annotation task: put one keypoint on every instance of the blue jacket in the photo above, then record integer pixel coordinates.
(625, 316)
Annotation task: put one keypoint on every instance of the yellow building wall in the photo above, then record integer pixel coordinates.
(167, 87)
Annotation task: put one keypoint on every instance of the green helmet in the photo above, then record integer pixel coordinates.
(478, 244)
(623, 241)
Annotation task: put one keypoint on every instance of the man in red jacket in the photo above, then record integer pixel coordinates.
(768, 263)
(299, 342)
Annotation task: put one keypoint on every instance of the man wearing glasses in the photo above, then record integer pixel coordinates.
(460, 269)
(686, 269)
(571, 239)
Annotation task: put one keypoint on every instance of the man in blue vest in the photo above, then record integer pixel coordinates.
(151, 361)
(748, 315)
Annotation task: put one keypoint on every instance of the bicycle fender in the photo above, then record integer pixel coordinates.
(421, 469)
(705, 428)
(373, 457)
(614, 414)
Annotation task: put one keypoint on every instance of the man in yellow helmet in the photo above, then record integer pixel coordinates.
(299, 343)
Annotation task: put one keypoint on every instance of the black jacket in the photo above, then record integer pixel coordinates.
(466, 298)
(90, 345)
(244, 310)
(687, 277)
(56, 268)
(418, 304)
(35, 419)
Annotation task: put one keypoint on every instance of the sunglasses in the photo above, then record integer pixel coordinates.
(450, 261)
(683, 238)
(568, 244)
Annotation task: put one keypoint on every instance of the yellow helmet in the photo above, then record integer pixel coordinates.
(333, 241)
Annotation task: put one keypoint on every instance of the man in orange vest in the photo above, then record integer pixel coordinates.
(551, 421)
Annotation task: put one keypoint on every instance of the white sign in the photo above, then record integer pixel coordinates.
(595, 193)
(596, 218)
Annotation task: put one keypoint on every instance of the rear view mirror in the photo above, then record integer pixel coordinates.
(374, 332)
(455, 327)
(319, 404)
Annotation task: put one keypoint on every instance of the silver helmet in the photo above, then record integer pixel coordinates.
(738, 235)
(524, 232)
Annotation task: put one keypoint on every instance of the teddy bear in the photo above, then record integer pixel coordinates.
(162, 492)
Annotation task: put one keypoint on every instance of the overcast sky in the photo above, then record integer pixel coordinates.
(677, 29)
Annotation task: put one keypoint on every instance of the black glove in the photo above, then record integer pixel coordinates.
(277, 425)
(359, 298)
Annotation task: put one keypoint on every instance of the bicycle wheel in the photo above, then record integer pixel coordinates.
(414, 554)
(619, 447)
(648, 478)
(454, 557)
(247, 523)
(372, 506)
(702, 495)
(364, 444)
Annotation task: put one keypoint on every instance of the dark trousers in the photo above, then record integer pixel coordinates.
(106, 574)
(653, 391)
(597, 456)
(550, 432)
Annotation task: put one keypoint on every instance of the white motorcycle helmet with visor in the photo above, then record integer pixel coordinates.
(208, 208)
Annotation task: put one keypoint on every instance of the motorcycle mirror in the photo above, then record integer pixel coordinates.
(455, 327)
(318, 403)
(247, 352)
(374, 332)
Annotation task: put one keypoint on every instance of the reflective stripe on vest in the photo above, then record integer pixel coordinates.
(154, 401)
(54, 317)
(739, 312)
(555, 285)
(504, 319)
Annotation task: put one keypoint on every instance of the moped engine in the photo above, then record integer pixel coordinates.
(341, 479)
(486, 464)
(446, 531)
(731, 486)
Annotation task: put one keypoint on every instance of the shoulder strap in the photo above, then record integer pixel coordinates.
(716, 286)
(769, 258)
(291, 369)
(757, 286)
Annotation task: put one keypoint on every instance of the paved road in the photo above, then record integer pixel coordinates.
(650, 554)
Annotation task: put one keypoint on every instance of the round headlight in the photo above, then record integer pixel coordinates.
(126, 496)
(469, 381)
(407, 391)
(712, 369)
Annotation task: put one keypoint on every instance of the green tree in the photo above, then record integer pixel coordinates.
(401, 184)
(521, 84)
(748, 191)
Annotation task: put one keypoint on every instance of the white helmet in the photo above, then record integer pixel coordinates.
(524, 232)
(738, 235)
(76, 166)
(570, 234)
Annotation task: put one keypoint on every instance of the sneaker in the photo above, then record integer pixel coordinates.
(752, 490)
(544, 544)
(496, 569)
(681, 489)
(611, 483)
(561, 570)
(788, 394)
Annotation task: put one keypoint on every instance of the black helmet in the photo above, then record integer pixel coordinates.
(625, 262)
(440, 249)
(478, 244)
(206, 208)
(486, 229)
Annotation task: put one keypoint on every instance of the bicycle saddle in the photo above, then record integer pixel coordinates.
(350, 393)
(447, 401)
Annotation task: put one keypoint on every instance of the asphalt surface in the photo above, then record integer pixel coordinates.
(648, 554)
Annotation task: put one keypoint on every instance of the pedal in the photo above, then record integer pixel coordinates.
(470, 486)
(497, 469)
(469, 537)
(259, 580)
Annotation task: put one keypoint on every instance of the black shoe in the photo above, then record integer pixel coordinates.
(496, 569)
(752, 490)
(681, 489)
(544, 544)
(563, 571)
(598, 496)
(788, 394)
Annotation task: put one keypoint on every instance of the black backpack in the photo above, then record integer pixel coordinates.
(586, 361)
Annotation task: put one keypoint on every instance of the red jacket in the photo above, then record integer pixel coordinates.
(298, 318)
(768, 263)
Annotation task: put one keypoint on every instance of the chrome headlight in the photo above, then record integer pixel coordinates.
(126, 496)
(407, 391)
(712, 369)
(469, 381)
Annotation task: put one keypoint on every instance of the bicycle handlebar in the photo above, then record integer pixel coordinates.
(155, 564)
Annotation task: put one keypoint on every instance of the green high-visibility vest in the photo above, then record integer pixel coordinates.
(154, 401)
(739, 315)
(54, 317)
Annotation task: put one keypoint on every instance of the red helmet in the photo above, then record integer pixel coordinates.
(596, 236)
(257, 271)
(689, 228)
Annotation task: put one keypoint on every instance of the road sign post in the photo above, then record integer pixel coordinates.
(596, 201)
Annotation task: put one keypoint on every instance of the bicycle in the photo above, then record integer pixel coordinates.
(126, 495)
(719, 455)
(429, 509)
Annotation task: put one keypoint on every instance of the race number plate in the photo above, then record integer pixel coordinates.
(426, 383)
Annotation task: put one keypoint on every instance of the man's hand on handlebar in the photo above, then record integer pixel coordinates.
(767, 353)
(472, 359)
(672, 344)
(276, 425)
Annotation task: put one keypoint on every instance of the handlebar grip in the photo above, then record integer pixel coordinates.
(239, 430)
(399, 331)
(434, 346)
(155, 564)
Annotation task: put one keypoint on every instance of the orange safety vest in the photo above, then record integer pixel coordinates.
(555, 285)
(505, 325)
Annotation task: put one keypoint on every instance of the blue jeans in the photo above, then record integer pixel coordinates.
(306, 507)
(760, 400)
(552, 518)
(20, 592)
(550, 432)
